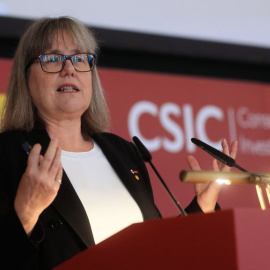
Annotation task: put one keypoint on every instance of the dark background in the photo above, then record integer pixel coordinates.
(136, 51)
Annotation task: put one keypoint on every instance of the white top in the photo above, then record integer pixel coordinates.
(108, 204)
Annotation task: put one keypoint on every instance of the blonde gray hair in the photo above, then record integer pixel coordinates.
(19, 110)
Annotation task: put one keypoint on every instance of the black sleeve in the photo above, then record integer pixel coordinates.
(17, 249)
(194, 207)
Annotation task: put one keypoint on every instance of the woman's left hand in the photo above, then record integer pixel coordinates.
(207, 193)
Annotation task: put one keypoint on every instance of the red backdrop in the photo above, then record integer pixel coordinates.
(165, 111)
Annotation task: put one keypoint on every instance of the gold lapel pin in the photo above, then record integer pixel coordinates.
(135, 174)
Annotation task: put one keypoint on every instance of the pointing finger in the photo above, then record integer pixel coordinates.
(193, 164)
(33, 158)
(49, 155)
(56, 162)
(234, 149)
(225, 147)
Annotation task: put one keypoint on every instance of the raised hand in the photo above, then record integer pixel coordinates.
(207, 193)
(38, 186)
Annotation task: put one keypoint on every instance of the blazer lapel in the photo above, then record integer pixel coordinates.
(130, 173)
(67, 202)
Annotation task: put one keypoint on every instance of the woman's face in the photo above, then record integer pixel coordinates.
(51, 91)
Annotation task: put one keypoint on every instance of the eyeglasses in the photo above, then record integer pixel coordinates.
(54, 62)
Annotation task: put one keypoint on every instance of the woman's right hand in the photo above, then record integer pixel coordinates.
(38, 186)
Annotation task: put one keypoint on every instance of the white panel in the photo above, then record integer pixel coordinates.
(232, 21)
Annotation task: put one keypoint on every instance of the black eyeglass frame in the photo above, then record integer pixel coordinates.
(69, 57)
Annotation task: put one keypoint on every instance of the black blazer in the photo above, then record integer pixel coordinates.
(63, 229)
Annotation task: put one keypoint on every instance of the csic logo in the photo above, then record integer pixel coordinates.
(181, 135)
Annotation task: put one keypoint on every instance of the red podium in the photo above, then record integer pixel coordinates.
(230, 239)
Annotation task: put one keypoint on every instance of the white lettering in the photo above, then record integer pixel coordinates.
(177, 144)
(179, 136)
(136, 111)
(240, 116)
(247, 119)
(258, 148)
(203, 115)
(189, 127)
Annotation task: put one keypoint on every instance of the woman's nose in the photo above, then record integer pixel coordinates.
(68, 67)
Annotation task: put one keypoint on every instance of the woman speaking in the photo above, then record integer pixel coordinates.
(65, 182)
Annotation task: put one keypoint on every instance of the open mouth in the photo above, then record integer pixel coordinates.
(67, 89)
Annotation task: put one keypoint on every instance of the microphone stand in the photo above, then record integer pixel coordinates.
(146, 156)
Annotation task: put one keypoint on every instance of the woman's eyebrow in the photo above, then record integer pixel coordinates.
(53, 51)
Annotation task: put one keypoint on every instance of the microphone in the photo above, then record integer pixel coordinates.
(147, 157)
(253, 178)
(217, 154)
(26, 147)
